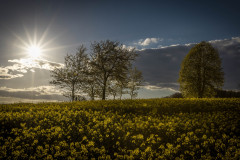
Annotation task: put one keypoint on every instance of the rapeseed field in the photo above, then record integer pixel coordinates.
(126, 129)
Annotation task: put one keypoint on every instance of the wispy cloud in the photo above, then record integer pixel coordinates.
(40, 92)
(24, 65)
(151, 87)
(5, 73)
(173, 45)
(161, 86)
(10, 76)
(7, 100)
(30, 63)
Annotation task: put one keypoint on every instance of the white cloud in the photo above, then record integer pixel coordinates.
(10, 76)
(148, 41)
(154, 87)
(173, 45)
(141, 44)
(4, 74)
(30, 63)
(128, 47)
(217, 40)
(31, 94)
(41, 90)
(25, 65)
(189, 44)
(8, 100)
(151, 87)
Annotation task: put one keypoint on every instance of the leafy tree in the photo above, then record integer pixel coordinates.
(135, 81)
(71, 77)
(201, 72)
(110, 61)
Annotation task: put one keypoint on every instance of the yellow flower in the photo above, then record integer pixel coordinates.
(148, 149)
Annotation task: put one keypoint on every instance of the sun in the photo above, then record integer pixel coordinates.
(36, 45)
(34, 51)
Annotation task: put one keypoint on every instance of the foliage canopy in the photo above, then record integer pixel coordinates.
(201, 73)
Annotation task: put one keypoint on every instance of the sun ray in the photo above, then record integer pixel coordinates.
(30, 41)
(37, 44)
(44, 35)
(61, 47)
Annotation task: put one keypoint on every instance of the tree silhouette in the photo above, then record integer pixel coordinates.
(71, 77)
(92, 84)
(110, 61)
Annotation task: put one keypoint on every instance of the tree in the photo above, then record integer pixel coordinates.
(201, 72)
(91, 84)
(118, 87)
(71, 77)
(110, 61)
(113, 88)
(135, 81)
(123, 85)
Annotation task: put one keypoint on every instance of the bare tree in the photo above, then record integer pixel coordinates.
(135, 81)
(118, 88)
(91, 84)
(72, 76)
(112, 88)
(110, 60)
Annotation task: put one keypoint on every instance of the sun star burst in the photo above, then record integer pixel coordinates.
(34, 51)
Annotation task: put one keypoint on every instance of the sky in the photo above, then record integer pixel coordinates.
(162, 32)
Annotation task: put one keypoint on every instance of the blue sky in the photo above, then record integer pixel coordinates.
(158, 29)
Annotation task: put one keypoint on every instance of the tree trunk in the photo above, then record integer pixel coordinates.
(92, 93)
(73, 94)
(201, 76)
(131, 94)
(104, 88)
(120, 93)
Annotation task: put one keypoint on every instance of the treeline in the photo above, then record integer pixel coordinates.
(106, 71)
(219, 94)
(227, 94)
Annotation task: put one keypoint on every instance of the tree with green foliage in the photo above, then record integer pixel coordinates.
(71, 77)
(110, 61)
(201, 73)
